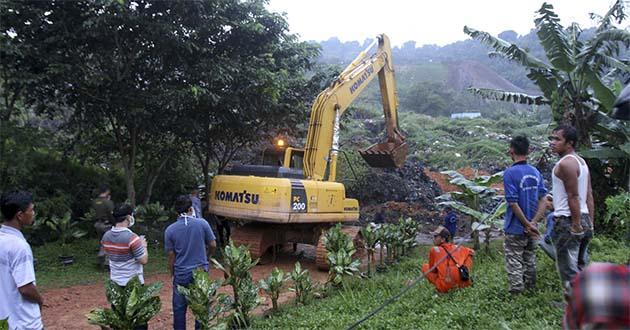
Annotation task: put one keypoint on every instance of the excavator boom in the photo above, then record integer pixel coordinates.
(322, 142)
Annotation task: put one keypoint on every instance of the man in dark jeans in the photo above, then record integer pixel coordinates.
(188, 242)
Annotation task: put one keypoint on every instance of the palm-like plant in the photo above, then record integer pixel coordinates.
(408, 232)
(474, 194)
(133, 305)
(370, 238)
(578, 82)
(203, 300)
(237, 263)
(302, 285)
(66, 230)
(273, 286)
(339, 248)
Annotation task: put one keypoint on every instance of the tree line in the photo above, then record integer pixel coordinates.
(145, 89)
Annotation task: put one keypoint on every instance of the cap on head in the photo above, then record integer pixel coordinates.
(442, 232)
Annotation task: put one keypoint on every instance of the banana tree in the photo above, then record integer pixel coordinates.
(474, 195)
(132, 306)
(302, 285)
(204, 302)
(273, 285)
(579, 82)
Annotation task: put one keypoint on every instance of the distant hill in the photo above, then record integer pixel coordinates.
(464, 74)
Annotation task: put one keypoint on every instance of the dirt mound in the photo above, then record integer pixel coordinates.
(407, 184)
(465, 74)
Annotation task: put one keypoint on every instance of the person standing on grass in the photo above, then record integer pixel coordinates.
(573, 205)
(127, 251)
(188, 243)
(103, 208)
(525, 195)
(450, 220)
(20, 302)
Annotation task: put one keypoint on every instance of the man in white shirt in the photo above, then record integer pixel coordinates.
(20, 301)
(573, 205)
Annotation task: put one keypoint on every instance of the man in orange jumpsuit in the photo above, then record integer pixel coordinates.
(447, 274)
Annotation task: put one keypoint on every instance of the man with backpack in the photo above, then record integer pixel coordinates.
(449, 265)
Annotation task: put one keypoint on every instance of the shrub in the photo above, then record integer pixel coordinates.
(273, 285)
(203, 300)
(132, 305)
(617, 217)
(339, 248)
(302, 285)
(237, 263)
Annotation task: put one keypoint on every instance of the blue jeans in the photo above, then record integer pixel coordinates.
(571, 249)
(180, 305)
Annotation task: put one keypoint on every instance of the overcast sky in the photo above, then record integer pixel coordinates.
(427, 22)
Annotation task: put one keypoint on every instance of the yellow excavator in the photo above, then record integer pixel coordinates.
(299, 200)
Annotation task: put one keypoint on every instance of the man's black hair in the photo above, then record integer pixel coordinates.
(103, 189)
(121, 212)
(569, 133)
(520, 145)
(448, 208)
(13, 202)
(183, 204)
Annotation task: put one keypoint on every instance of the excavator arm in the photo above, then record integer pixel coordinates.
(322, 141)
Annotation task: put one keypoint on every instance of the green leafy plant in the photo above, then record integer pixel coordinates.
(409, 230)
(339, 248)
(132, 305)
(204, 302)
(618, 214)
(152, 214)
(302, 285)
(66, 230)
(370, 238)
(474, 195)
(237, 264)
(273, 286)
(4, 324)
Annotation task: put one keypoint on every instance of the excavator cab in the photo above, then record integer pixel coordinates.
(386, 154)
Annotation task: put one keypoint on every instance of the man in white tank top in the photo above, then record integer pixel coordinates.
(573, 204)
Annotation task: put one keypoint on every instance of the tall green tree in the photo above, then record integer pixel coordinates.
(249, 83)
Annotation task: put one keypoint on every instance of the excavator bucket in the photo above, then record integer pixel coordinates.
(386, 155)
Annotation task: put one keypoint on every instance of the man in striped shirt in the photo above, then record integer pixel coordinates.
(127, 251)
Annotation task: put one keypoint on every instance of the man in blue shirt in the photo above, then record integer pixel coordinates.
(188, 242)
(450, 220)
(525, 194)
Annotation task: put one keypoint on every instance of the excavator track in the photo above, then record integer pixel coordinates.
(354, 233)
(257, 238)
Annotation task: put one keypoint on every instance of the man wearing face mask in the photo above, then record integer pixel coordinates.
(127, 251)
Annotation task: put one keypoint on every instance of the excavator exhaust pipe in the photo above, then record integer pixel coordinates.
(386, 154)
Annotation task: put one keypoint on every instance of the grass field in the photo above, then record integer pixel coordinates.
(485, 305)
(51, 274)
